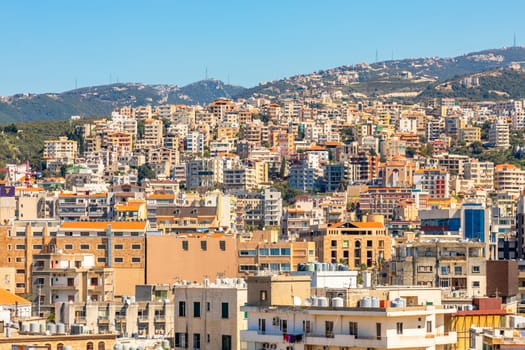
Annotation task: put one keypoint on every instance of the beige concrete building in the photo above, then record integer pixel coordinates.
(283, 314)
(7, 279)
(190, 257)
(509, 178)
(208, 316)
(482, 173)
(59, 277)
(440, 263)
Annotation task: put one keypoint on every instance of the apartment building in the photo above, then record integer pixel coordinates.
(87, 205)
(145, 318)
(482, 173)
(509, 178)
(278, 319)
(208, 315)
(499, 134)
(59, 277)
(433, 181)
(440, 263)
(383, 200)
(59, 152)
(263, 251)
(190, 257)
(364, 244)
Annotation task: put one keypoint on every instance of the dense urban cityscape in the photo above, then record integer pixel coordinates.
(273, 175)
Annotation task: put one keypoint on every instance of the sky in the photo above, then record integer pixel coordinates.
(57, 45)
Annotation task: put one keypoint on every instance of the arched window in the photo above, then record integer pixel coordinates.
(89, 346)
(60, 346)
(48, 346)
(101, 345)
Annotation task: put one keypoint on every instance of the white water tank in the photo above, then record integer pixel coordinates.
(322, 302)
(338, 302)
(375, 302)
(61, 328)
(365, 302)
(33, 327)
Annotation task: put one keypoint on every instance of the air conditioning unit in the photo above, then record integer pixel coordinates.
(275, 321)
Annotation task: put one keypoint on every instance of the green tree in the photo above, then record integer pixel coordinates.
(145, 172)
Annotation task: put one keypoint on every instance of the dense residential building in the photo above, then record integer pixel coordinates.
(208, 315)
(299, 320)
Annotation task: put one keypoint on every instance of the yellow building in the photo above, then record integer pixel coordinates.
(357, 244)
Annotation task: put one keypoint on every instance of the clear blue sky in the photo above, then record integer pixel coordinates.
(47, 45)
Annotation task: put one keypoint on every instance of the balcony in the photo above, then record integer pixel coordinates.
(258, 336)
(103, 319)
(63, 287)
(80, 320)
(160, 318)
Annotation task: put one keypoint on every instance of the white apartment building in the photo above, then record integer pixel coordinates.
(401, 318)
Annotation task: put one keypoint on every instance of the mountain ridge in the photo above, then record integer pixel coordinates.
(394, 79)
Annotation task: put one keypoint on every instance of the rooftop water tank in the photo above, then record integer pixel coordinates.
(33, 327)
(61, 328)
(322, 302)
(365, 302)
(338, 302)
(375, 302)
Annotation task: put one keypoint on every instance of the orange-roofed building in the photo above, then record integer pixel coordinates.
(133, 210)
(358, 244)
(85, 206)
(19, 305)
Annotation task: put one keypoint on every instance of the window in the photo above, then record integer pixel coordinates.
(274, 251)
(263, 295)
(101, 345)
(226, 342)
(378, 331)
(222, 246)
(208, 306)
(20, 259)
(399, 327)
(285, 251)
(329, 329)
(182, 309)
(284, 326)
(475, 284)
(352, 328)
(196, 309)
(203, 245)
(101, 260)
(135, 259)
(263, 251)
(224, 310)
(185, 245)
(333, 243)
(307, 326)
(101, 246)
(248, 252)
(458, 270)
(368, 243)
(119, 246)
(196, 341)
(84, 246)
(37, 246)
(262, 325)
(180, 340)
(68, 246)
(119, 259)
(89, 346)
(20, 285)
(444, 270)
(476, 269)
(136, 246)
(21, 271)
(429, 326)
(20, 247)
(345, 244)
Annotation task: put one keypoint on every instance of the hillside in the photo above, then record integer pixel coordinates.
(495, 84)
(100, 100)
(395, 78)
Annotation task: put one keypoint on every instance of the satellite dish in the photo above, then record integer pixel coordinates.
(296, 301)
(308, 302)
